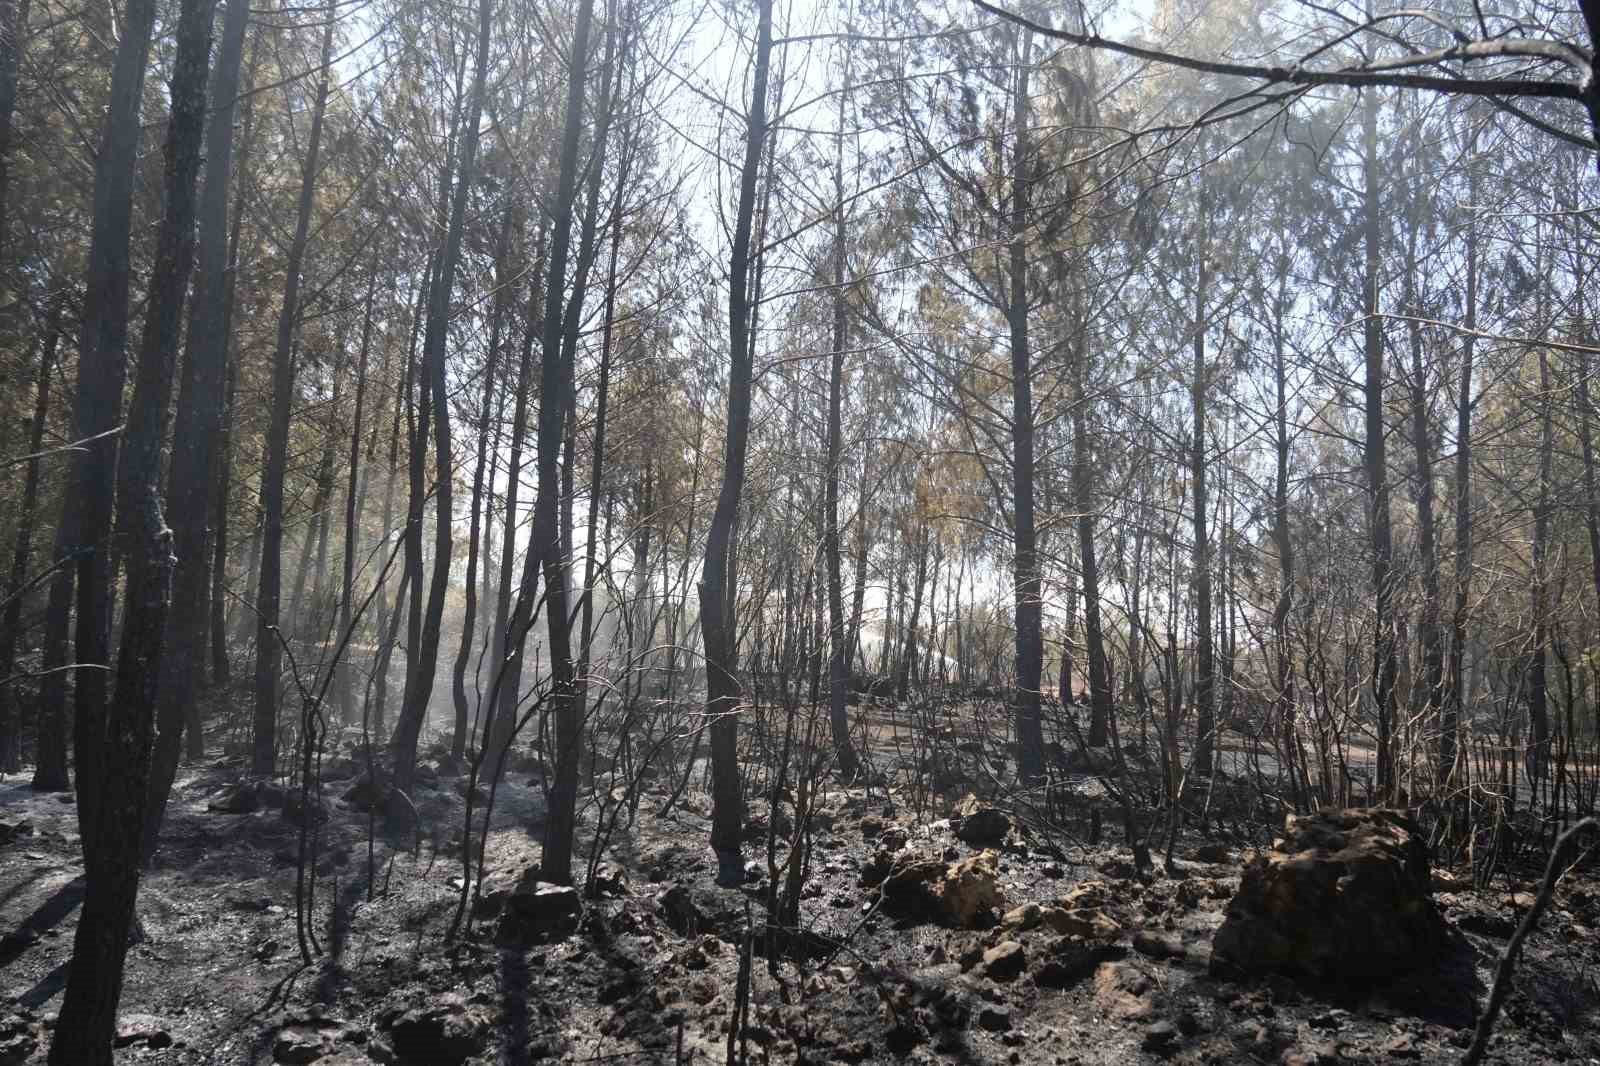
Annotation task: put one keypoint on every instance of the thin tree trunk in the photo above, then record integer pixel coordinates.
(269, 655)
(102, 371)
(469, 617)
(512, 623)
(352, 511)
(717, 589)
(1029, 603)
(838, 644)
(22, 550)
(1385, 665)
(423, 659)
(115, 740)
(1455, 704)
(199, 422)
(1205, 662)
(13, 42)
(554, 410)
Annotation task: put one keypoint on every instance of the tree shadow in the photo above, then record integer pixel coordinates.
(333, 977)
(515, 1021)
(45, 989)
(62, 902)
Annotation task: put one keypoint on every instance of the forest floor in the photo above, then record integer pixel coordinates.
(649, 975)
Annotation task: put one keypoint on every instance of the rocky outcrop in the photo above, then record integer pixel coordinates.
(1345, 894)
(962, 894)
(530, 910)
(447, 1032)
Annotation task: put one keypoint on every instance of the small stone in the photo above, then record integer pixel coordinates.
(1318, 1053)
(144, 1029)
(1005, 960)
(1160, 1038)
(1401, 1047)
(1123, 991)
(299, 1044)
(994, 1019)
(1156, 946)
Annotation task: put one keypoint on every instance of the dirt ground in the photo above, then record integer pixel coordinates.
(216, 975)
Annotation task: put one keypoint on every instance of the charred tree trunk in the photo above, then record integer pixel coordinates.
(115, 740)
(22, 549)
(1205, 661)
(1385, 661)
(1029, 603)
(717, 589)
(269, 654)
(838, 637)
(199, 422)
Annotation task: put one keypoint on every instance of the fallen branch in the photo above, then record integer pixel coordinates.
(1508, 962)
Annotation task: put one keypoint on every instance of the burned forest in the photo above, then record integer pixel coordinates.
(758, 531)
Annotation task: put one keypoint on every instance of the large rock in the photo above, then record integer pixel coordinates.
(981, 826)
(445, 1033)
(963, 894)
(533, 911)
(1345, 894)
(692, 909)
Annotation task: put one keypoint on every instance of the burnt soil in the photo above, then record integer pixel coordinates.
(216, 974)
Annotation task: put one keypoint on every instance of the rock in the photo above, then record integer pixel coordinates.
(963, 894)
(1123, 991)
(691, 910)
(1214, 854)
(1194, 890)
(240, 799)
(299, 1044)
(1022, 918)
(1071, 961)
(340, 769)
(875, 869)
(480, 795)
(1090, 894)
(10, 831)
(994, 1019)
(1317, 1053)
(19, 1038)
(1156, 946)
(1005, 960)
(144, 1029)
(609, 880)
(1346, 895)
(367, 794)
(1161, 1038)
(1484, 923)
(981, 826)
(536, 911)
(1401, 1046)
(1083, 922)
(445, 1033)
(296, 805)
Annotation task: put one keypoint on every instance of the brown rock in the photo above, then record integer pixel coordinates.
(1022, 918)
(1005, 960)
(962, 894)
(1156, 946)
(1346, 896)
(1123, 991)
(1084, 921)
